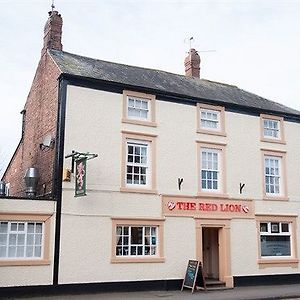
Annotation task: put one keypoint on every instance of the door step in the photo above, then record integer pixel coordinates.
(214, 285)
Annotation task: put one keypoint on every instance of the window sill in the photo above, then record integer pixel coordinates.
(281, 262)
(37, 262)
(276, 198)
(138, 260)
(211, 132)
(136, 190)
(139, 122)
(273, 141)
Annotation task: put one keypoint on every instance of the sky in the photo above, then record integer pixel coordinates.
(254, 44)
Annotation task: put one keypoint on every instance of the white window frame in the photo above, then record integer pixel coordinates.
(124, 249)
(210, 120)
(210, 152)
(138, 109)
(140, 165)
(10, 232)
(269, 232)
(274, 174)
(269, 127)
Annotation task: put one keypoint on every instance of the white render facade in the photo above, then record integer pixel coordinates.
(147, 231)
(90, 220)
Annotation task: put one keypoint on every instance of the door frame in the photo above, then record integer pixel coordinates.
(224, 246)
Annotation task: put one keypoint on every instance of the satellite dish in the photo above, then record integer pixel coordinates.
(47, 142)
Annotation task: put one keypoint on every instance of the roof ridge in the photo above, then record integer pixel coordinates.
(122, 64)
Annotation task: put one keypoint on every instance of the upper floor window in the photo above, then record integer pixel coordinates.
(138, 166)
(210, 174)
(138, 108)
(210, 119)
(272, 129)
(274, 175)
(211, 168)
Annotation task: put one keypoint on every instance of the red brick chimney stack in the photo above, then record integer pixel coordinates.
(53, 32)
(192, 64)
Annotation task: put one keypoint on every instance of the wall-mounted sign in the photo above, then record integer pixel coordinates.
(80, 159)
(200, 207)
(80, 177)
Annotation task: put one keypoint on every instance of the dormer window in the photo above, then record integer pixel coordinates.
(138, 108)
(272, 129)
(210, 119)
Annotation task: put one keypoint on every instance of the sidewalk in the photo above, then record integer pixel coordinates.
(238, 293)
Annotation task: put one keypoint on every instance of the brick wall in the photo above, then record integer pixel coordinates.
(40, 120)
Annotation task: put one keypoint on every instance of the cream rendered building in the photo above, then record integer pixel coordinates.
(186, 169)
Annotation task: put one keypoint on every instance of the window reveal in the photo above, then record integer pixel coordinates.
(275, 239)
(209, 169)
(21, 239)
(137, 164)
(136, 240)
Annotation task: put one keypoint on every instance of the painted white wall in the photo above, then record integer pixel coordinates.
(93, 124)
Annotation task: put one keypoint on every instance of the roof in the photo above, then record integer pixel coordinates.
(165, 82)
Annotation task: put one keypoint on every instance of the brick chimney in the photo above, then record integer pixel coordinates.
(53, 32)
(192, 64)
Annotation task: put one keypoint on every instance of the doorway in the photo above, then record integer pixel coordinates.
(210, 252)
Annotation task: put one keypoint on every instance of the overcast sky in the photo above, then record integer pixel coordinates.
(256, 44)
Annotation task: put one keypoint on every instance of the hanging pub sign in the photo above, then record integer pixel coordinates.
(80, 177)
(80, 160)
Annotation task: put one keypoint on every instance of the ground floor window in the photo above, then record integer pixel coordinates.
(21, 239)
(24, 239)
(275, 239)
(137, 240)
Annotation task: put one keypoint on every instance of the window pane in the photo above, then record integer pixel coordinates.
(284, 227)
(263, 227)
(3, 227)
(136, 235)
(275, 245)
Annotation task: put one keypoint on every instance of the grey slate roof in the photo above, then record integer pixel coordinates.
(164, 82)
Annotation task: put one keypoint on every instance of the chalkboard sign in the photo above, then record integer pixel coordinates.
(200, 281)
(190, 275)
(193, 276)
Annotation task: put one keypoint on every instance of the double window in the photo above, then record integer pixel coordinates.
(211, 119)
(138, 108)
(21, 239)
